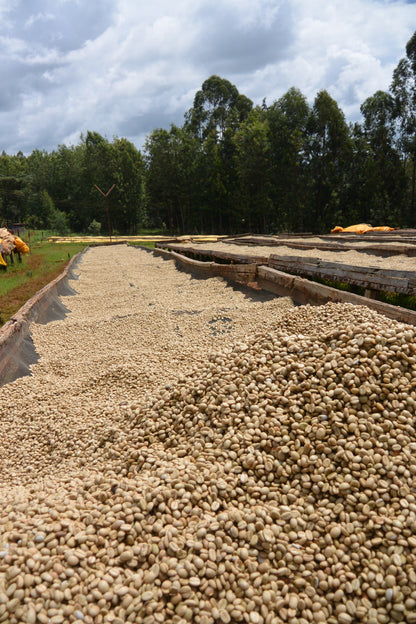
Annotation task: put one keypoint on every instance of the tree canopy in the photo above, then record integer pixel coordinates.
(233, 167)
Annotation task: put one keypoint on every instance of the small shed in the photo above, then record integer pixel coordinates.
(18, 229)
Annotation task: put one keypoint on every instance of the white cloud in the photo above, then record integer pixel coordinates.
(349, 49)
(125, 67)
(39, 17)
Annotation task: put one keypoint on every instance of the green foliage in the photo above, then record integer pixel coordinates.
(94, 228)
(13, 191)
(400, 299)
(40, 209)
(403, 88)
(213, 105)
(230, 168)
(59, 222)
(287, 119)
(253, 166)
(328, 151)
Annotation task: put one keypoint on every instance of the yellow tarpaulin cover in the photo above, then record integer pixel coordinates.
(382, 228)
(362, 228)
(21, 245)
(2, 262)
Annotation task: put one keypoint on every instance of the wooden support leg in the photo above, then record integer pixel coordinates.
(371, 293)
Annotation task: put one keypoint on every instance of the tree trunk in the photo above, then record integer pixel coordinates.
(413, 190)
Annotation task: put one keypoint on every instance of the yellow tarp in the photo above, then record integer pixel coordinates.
(382, 228)
(21, 245)
(2, 262)
(362, 228)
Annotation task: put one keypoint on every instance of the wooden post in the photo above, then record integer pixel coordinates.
(371, 293)
(105, 195)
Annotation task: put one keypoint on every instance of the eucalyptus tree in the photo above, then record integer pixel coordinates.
(287, 121)
(14, 188)
(403, 88)
(385, 175)
(15, 165)
(328, 152)
(171, 159)
(97, 164)
(66, 185)
(212, 107)
(253, 167)
(218, 111)
(128, 196)
(13, 194)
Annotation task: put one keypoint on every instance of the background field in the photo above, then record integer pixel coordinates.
(48, 256)
(23, 279)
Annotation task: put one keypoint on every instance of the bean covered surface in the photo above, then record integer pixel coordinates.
(183, 453)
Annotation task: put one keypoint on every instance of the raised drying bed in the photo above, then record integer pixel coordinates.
(372, 278)
(278, 280)
(196, 252)
(17, 352)
(305, 291)
(243, 273)
(388, 246)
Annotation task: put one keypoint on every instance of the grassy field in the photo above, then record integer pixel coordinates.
(48, 257)
(150, 244)
(22, 280)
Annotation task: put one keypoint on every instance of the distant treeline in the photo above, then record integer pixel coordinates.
(232, 168)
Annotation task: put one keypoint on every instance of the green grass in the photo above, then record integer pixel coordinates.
(396, 299)
(399, 299)
(150, 244)
(22, 280)
(151, 232)
(357, 290)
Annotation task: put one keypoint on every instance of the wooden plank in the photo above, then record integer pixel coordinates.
(372, 278)
(371, 248)
(242, 273)
(336, 243)
(346, 245)
(271, 279)
(368, 277)
(342, 274)
(214, 254)
(348, 268)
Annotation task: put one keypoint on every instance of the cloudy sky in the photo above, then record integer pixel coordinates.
(125, 67)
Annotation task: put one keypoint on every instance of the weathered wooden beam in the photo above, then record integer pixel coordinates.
(300, 288)
(374, 248)
(214, 253)
(372, 278)
(242, 273)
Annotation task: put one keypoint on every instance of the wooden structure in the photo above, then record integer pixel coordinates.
(287, 275)
(371, 278)
(199, 252)
(245, 272)
(304, 291)
(385, 246)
